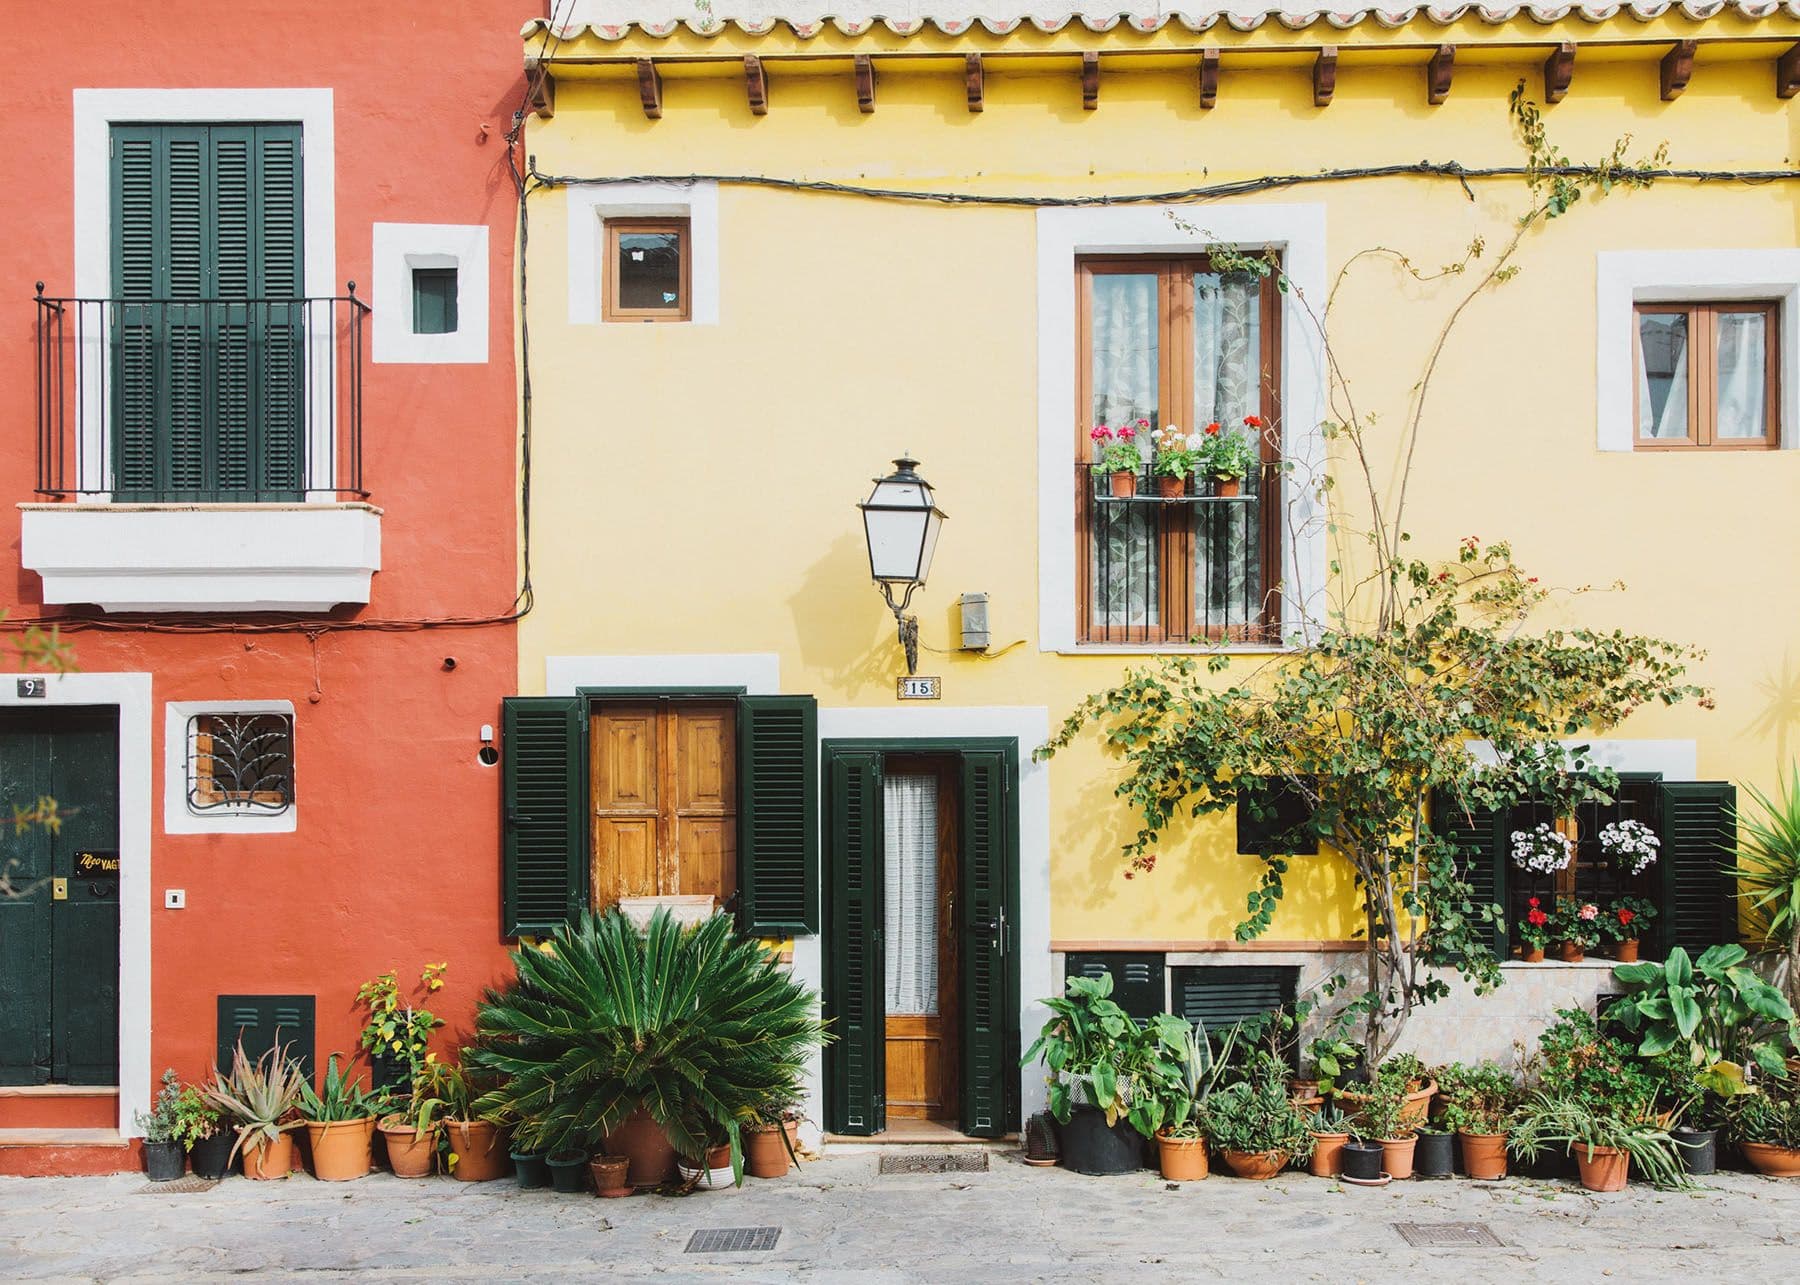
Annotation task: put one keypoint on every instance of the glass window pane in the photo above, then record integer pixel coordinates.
(1123, 365)
(1662, 375)
(1742, 403)
(1227, 349)
(434, 301)
(1123, 575)
(649, 270)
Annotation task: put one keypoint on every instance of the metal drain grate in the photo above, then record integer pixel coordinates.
(1448, 1235)
(732, 1240)
(937, 1162)
(178, 1187)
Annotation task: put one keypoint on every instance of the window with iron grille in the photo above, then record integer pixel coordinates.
(240, 763)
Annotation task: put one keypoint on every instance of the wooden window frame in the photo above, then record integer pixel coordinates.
(1703, 375)
(1175, 395)
(203, 791)
(682, 228)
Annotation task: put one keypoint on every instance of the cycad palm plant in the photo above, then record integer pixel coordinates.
(1768, 876)
(697, 1026)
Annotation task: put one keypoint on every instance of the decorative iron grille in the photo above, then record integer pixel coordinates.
(240, 762)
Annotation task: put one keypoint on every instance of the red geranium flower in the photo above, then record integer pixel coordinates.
(1212, 429)
(1626, 916)
(1254, 421)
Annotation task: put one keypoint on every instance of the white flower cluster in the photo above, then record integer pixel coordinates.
(1632, 845)
(1541, 849)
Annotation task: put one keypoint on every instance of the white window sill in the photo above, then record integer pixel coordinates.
(1157, 649)
(202, 557)
(1591, 962)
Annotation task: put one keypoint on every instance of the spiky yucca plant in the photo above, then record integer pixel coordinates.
(697, 1026)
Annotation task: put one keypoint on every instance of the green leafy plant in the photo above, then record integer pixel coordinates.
(1571, 1123)
(1176, 1070)
(180, 1113)
(1714, 1010)
(699, 1027)
(1117, 449)
(1228, 455)
(1768, 876)
(1258, 1114)
(338, 1097)
(398, 1028)
(1578, 1061)
(1381, 1112)
(1628, 918)
(262, 1098)
(1771, 1117)
(1477, 1099)
(1089, 1046)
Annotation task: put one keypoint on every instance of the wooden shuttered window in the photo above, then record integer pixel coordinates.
(1138, 979)
(778, 809)
(1699, 836)
(855, 1000)
(990, 1054)
(1480, 837)
(543, 758)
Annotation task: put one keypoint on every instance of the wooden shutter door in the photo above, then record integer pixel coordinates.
(1479, 836)
(989, 1012)
(1699, 836)
(856, 1061)
(543, 793)
(778, 809)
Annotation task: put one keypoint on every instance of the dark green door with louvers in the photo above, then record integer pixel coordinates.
(59, 930)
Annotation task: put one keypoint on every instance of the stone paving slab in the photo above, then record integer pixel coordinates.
(842, 1222)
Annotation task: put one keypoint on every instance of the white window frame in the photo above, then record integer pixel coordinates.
(398, 248)
(1064, 235)
(591, 205)
(1626, 278)
(178, 816)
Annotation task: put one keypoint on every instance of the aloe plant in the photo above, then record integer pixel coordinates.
(339, 1098)
(259, 1096)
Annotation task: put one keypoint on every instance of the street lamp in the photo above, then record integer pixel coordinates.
(901, 521)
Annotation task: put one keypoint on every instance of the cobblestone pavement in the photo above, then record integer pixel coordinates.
(842, 1221)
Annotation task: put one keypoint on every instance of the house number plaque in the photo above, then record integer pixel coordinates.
(32, 689)
(919, 687)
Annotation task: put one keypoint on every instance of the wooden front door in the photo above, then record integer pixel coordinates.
(664, 790)
(920, 869)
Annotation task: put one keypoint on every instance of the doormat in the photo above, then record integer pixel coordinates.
(1448, 1235)
(732, 1240)
(189, 1185)
(937, 1162)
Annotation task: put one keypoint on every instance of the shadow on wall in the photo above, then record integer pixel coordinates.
(1780, 693)
(840, 621)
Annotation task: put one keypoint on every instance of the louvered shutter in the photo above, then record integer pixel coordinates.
(1479, 836)
(856, 1059)
(1699, 835)
(1137, 979)
(778, 809)
(1221, 995)
(544, 796)
(989, 1017)
(259, 1020)
(277, 443)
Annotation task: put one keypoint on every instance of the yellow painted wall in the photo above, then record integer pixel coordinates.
(694, 485)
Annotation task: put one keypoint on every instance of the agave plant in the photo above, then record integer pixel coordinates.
(695, 1026)
(339, 1097)
(259, 1096)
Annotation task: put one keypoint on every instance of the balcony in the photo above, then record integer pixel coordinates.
(201, 455)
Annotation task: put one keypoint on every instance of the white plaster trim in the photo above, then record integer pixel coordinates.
(130, 693)
(758, 673)
(1626, 277)
(178, 817)
(1298, 231)
(95, 112)
(590, 205)
(1676, 760)
(398, 248)
(1029, 725)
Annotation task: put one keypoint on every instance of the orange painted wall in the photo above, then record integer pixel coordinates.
(395, 861)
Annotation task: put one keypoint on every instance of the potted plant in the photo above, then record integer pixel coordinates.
(1330, 1129)
(1631, 846)
(411, 1131)
(1690, 1111)
(565, 1171)
(179, 1117)
(397, 1035)
(340, 1125)
(1255, 1123)
(1178, 1073)
(1088, 1045)
(1577, 925)
(262, 1099)
(610, 1175)
(711, 1168)
(769, 1137)
(1434, 1153)
(1119, 458)
(470, 1132)
(1174, 456)
(1477, 1103)
(1626, 920)
(1229, 457)
(1383, 1118)
(1336, 1061)
(1766, 1128)
(1542, 849)
(1603, 1142)
(1533, 931)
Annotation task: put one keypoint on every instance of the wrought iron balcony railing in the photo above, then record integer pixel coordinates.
(200, 400)
(1194, 567)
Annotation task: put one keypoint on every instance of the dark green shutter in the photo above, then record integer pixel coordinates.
(1137, 979)
(1479, 836)
(1221, 995)
(778, 809)
(258, 1020)
(855, 999)
(544, 796)
(1699, 835)
(990, 1071)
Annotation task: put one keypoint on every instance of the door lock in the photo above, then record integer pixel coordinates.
(59, 890)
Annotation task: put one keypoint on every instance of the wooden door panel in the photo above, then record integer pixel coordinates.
(625, 760)
(624, 859)
(707, 855)
(915, 1059)
(705, 742)
(922, 1047)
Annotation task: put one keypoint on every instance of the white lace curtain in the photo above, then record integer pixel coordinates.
(911, 861)
(1663, 357)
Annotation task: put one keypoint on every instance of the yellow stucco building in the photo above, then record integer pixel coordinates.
(764, 260)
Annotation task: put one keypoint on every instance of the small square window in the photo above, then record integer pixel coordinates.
(434, 301)
(647, 270)
(1708, 375)
(240, 763)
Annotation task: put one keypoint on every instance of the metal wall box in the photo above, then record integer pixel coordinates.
(975, 633)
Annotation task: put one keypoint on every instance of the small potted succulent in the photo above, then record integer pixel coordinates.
(1533, 931)
(1118, 456)
(179, 1119)
(1229, 456)
(1766, 1128)
(1631, 846)
(1330, 1129)
(1478, 1103)
(1626, 920)
(1175, 455)
(1542, 849)
(1578, 926)
(262, 1100)
(1256, 1124)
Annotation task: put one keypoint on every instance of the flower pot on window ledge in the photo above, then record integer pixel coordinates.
(1170, 488)
(1573, 952)
(1124, 484)
(1226, 487)
(1532, 954)
(1627, 951)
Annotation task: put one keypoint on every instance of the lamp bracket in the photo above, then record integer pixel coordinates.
(908, 625)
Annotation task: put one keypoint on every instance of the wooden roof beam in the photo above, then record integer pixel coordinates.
(541, 88)
(756, 85)
(649, 88)
(974, 81)
(1209, 77)
(1559, 69)
(1090, 81)
(1787, 73)
(1324, 74)
(865, 84)
(1677, 69)
(1437, 74)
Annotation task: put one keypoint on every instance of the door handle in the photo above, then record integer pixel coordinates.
(59, 890)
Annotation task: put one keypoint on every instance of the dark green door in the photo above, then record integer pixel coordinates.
(208, 371)
(59, 931)
(855, 1068)
(990, 1007)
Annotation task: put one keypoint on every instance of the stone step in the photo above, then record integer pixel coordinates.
(36, 1153)
(59, 1106)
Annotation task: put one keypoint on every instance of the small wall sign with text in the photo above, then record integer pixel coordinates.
(919, 687)
(33, 689)
(97, 865)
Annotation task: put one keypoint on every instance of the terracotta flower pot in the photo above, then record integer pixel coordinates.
(1182, 1159)
(1226, 487)
(1767, 1158)
(1328, 1154)
(1417, 1107)
(341, 1149)
(610, 1175)
(1572, 952)
(1532, 954)
(1484, 1154)
(1397, 1157)
(1259, 1166)
(765, 1153)
(1170, 488)
(1124, 484)
(410, 1154)
(640, 1139)
(1626, 952)
(265, 1160)
(1605, 1170)
(480, 1151)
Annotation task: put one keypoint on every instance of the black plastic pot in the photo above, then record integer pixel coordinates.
(566, 1170)
(1434, 1156)
(164, 1161)
(529, 1169)
(1089, 1146)
(1697, 1148)
(211, 1156)
(1362, 1160)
